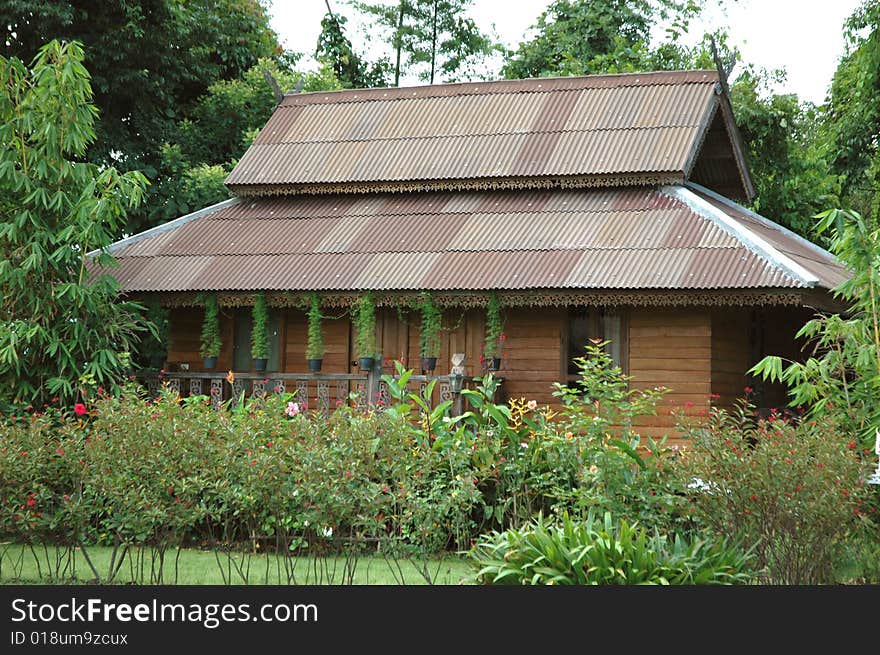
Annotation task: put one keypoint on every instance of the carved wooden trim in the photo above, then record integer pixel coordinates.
(537, 298)
(464, 184)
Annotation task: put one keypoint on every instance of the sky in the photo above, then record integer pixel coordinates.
(804, 37)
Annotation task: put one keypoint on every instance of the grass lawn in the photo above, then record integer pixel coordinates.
(46, 565)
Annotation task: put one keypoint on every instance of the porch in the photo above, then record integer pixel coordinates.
(320, 392)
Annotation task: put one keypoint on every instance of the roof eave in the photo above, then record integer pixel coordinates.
(752, 241)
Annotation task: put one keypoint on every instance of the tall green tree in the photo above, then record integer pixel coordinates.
(150, 61)
(853, 118)
(334, 47)
(433, 39)
(58, 324)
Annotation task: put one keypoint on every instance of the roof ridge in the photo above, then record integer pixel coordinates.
(525, 85)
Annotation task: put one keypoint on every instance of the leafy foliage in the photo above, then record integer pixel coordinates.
(210, 343)
(576, 37)
(150, 61)
(259, 331)
(842, 378)
(793, 489)
(61, 315)
(432, 38)
(853, 117)
(364, 320)
(494, 327)
(429, 331)
(604, 553)
(315, 344)
(351, 70)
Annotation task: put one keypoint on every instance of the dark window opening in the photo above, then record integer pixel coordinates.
(585, 324)
(241, 351)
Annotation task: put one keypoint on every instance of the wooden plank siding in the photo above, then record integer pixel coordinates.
(731, 353)
(671, 348)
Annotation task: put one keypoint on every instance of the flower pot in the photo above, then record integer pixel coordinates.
(429, 363)
(314, 364)
(209, 362)
(366, 363)
(493, 363)
(260, 363)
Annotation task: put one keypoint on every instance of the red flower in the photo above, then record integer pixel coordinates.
(748, 390)
(689, 404)
(753, 497)
(851, 445)
(79, 409)
(31, 502)
(60, 451)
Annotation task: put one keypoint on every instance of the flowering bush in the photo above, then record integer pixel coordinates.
(794, 489)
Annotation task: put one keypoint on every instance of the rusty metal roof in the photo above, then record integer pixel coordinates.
(599, 125)
(622, 238)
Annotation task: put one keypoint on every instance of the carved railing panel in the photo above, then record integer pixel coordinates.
(216, 393)
(323, 398)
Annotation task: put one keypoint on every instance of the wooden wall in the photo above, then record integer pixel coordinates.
(185, 337)
(671, 348)
(732, 353)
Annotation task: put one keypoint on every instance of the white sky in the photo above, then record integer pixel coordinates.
(804, 37)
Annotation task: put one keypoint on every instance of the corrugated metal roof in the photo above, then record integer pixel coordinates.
(818, 261)
(594, 125)
(626, 238)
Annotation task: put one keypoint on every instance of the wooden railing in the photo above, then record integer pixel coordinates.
(321, 392)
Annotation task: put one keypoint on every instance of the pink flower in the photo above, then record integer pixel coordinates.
(79, 409)
(292, 409)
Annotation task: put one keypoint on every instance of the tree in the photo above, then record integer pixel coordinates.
(583, 37)
(205, 146)
(432, 38)
(784, 147)
(61, 324)
(853, 117)
(335, 47)
(150, 60)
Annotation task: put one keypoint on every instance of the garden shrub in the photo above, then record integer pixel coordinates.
(792, 488)
(596, 553)
(585, 457)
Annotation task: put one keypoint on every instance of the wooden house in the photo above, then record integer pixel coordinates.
(601, 206)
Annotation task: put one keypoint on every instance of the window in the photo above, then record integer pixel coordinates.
(241, 351)
(592, 323)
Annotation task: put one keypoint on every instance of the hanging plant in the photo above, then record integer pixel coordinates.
(315, 344)
(211, 343)
(364, 318)
(429, 336)
(155, 345)
(259, 336)
(494, 332)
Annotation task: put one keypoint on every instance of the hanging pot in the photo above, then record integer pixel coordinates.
(314, 364)
(209, 362)
(429, 364)
(366, 363)
(260, 363)
(494, 363)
